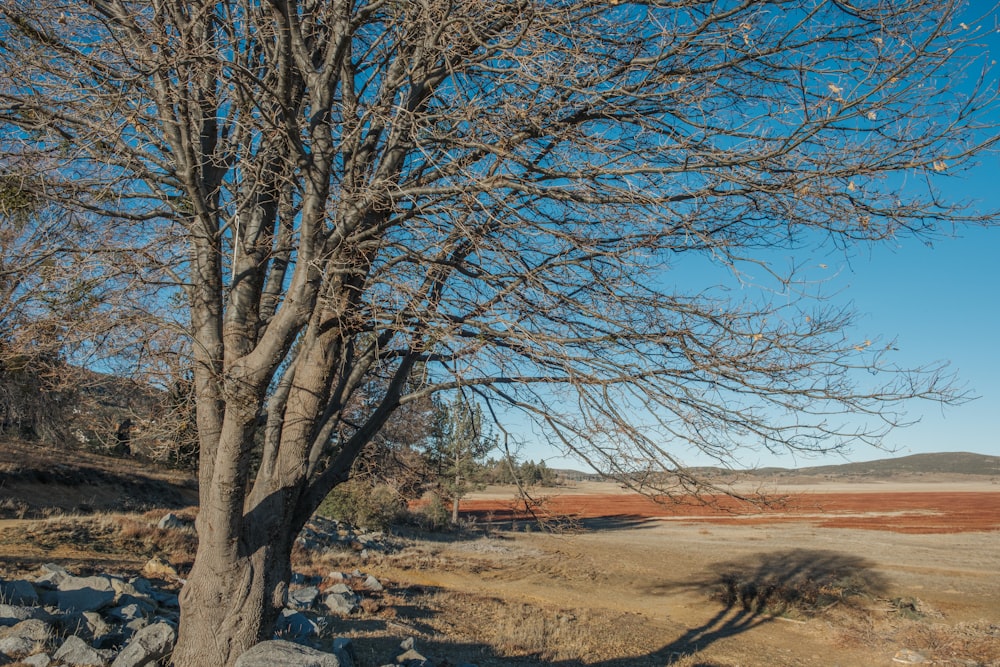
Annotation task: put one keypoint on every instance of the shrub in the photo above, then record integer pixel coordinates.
(363, 505)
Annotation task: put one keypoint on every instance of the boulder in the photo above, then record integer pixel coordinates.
(77, 653)
(33, 628)
(12, 614)
(373, 584)
(279, 653)
(148, 646)
(19, 592)
(340, 603)
(84, 593)
(16, 646)
(37, 660)
(295, 625)
(303, 598)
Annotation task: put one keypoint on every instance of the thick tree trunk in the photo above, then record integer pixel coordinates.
(231, 602)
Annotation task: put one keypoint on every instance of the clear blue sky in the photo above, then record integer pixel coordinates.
(940, 303)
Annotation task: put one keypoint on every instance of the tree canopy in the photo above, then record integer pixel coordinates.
(493, 196)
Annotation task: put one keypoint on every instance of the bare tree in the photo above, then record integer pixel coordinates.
(492, 194)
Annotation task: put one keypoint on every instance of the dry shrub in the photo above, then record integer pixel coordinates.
(975, 643)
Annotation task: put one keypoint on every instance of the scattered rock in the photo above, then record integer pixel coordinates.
(18, 592)
(77, 653)
(16, 646)
(295, 625)
(37, 660)
(909, 657)
(340, 603)
(148, 646)
(279, 653)
(303, 598)
(157, 568)
(373, 584)
(171, 521)
(84, 593)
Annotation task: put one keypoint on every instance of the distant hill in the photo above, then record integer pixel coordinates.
(958, 463)
(942, 463)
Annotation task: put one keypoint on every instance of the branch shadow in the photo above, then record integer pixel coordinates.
(751, 592)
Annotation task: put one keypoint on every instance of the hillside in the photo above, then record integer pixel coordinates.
(941, 463)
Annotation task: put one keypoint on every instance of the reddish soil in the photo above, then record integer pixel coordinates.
(900, 512)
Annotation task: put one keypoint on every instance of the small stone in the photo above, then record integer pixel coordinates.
(295, 624)
(339, 603)
(373, 584)
(279, 653)
(909, 657)
(171, 521)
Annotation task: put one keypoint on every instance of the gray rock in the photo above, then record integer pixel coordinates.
(373, 584)
(85, 593)
(126, 613)
(295, 625)
(77, 653)
(148, 646)
(52, 575)
(343, 589)
(87, 624)
(280, 653)
(16, 646)
(171, 520)
(37, 660)
(19, 592)
(11, 614)
(32, 628)
(339, 603)
(303, 598)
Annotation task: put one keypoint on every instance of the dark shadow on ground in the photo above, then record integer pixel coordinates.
(751, 592)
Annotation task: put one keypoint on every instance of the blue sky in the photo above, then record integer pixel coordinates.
(940, 301)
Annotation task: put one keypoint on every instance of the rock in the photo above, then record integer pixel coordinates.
(16, 646)
(126, 613)
(77, 653)
(52, 574)
(343, 648)
(909, 657)
(148, 646)
(303, 598)
(412, 658)
(279, 653)
(339, 603)
(171, 521)
(157, 568)
(37, 660)
(18, 592)
(88, 624)
(295, 625)
(84, 593)
(33, 628)
(373, 584)
(342, 589)
(11, 614)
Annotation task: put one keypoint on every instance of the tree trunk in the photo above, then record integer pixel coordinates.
(454, 510)
(239, 583)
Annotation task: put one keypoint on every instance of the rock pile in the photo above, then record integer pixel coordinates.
(59, 619)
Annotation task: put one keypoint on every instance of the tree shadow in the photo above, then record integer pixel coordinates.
(751, 592)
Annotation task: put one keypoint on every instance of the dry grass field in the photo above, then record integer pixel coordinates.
(836, 575)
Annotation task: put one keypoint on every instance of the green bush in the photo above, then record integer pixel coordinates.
(434, 514)
(363, 506)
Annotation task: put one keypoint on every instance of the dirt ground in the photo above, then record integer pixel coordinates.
(835, 574)
(902, 569)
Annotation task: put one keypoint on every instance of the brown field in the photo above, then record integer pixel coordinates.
(833, 574)
(921, 512)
